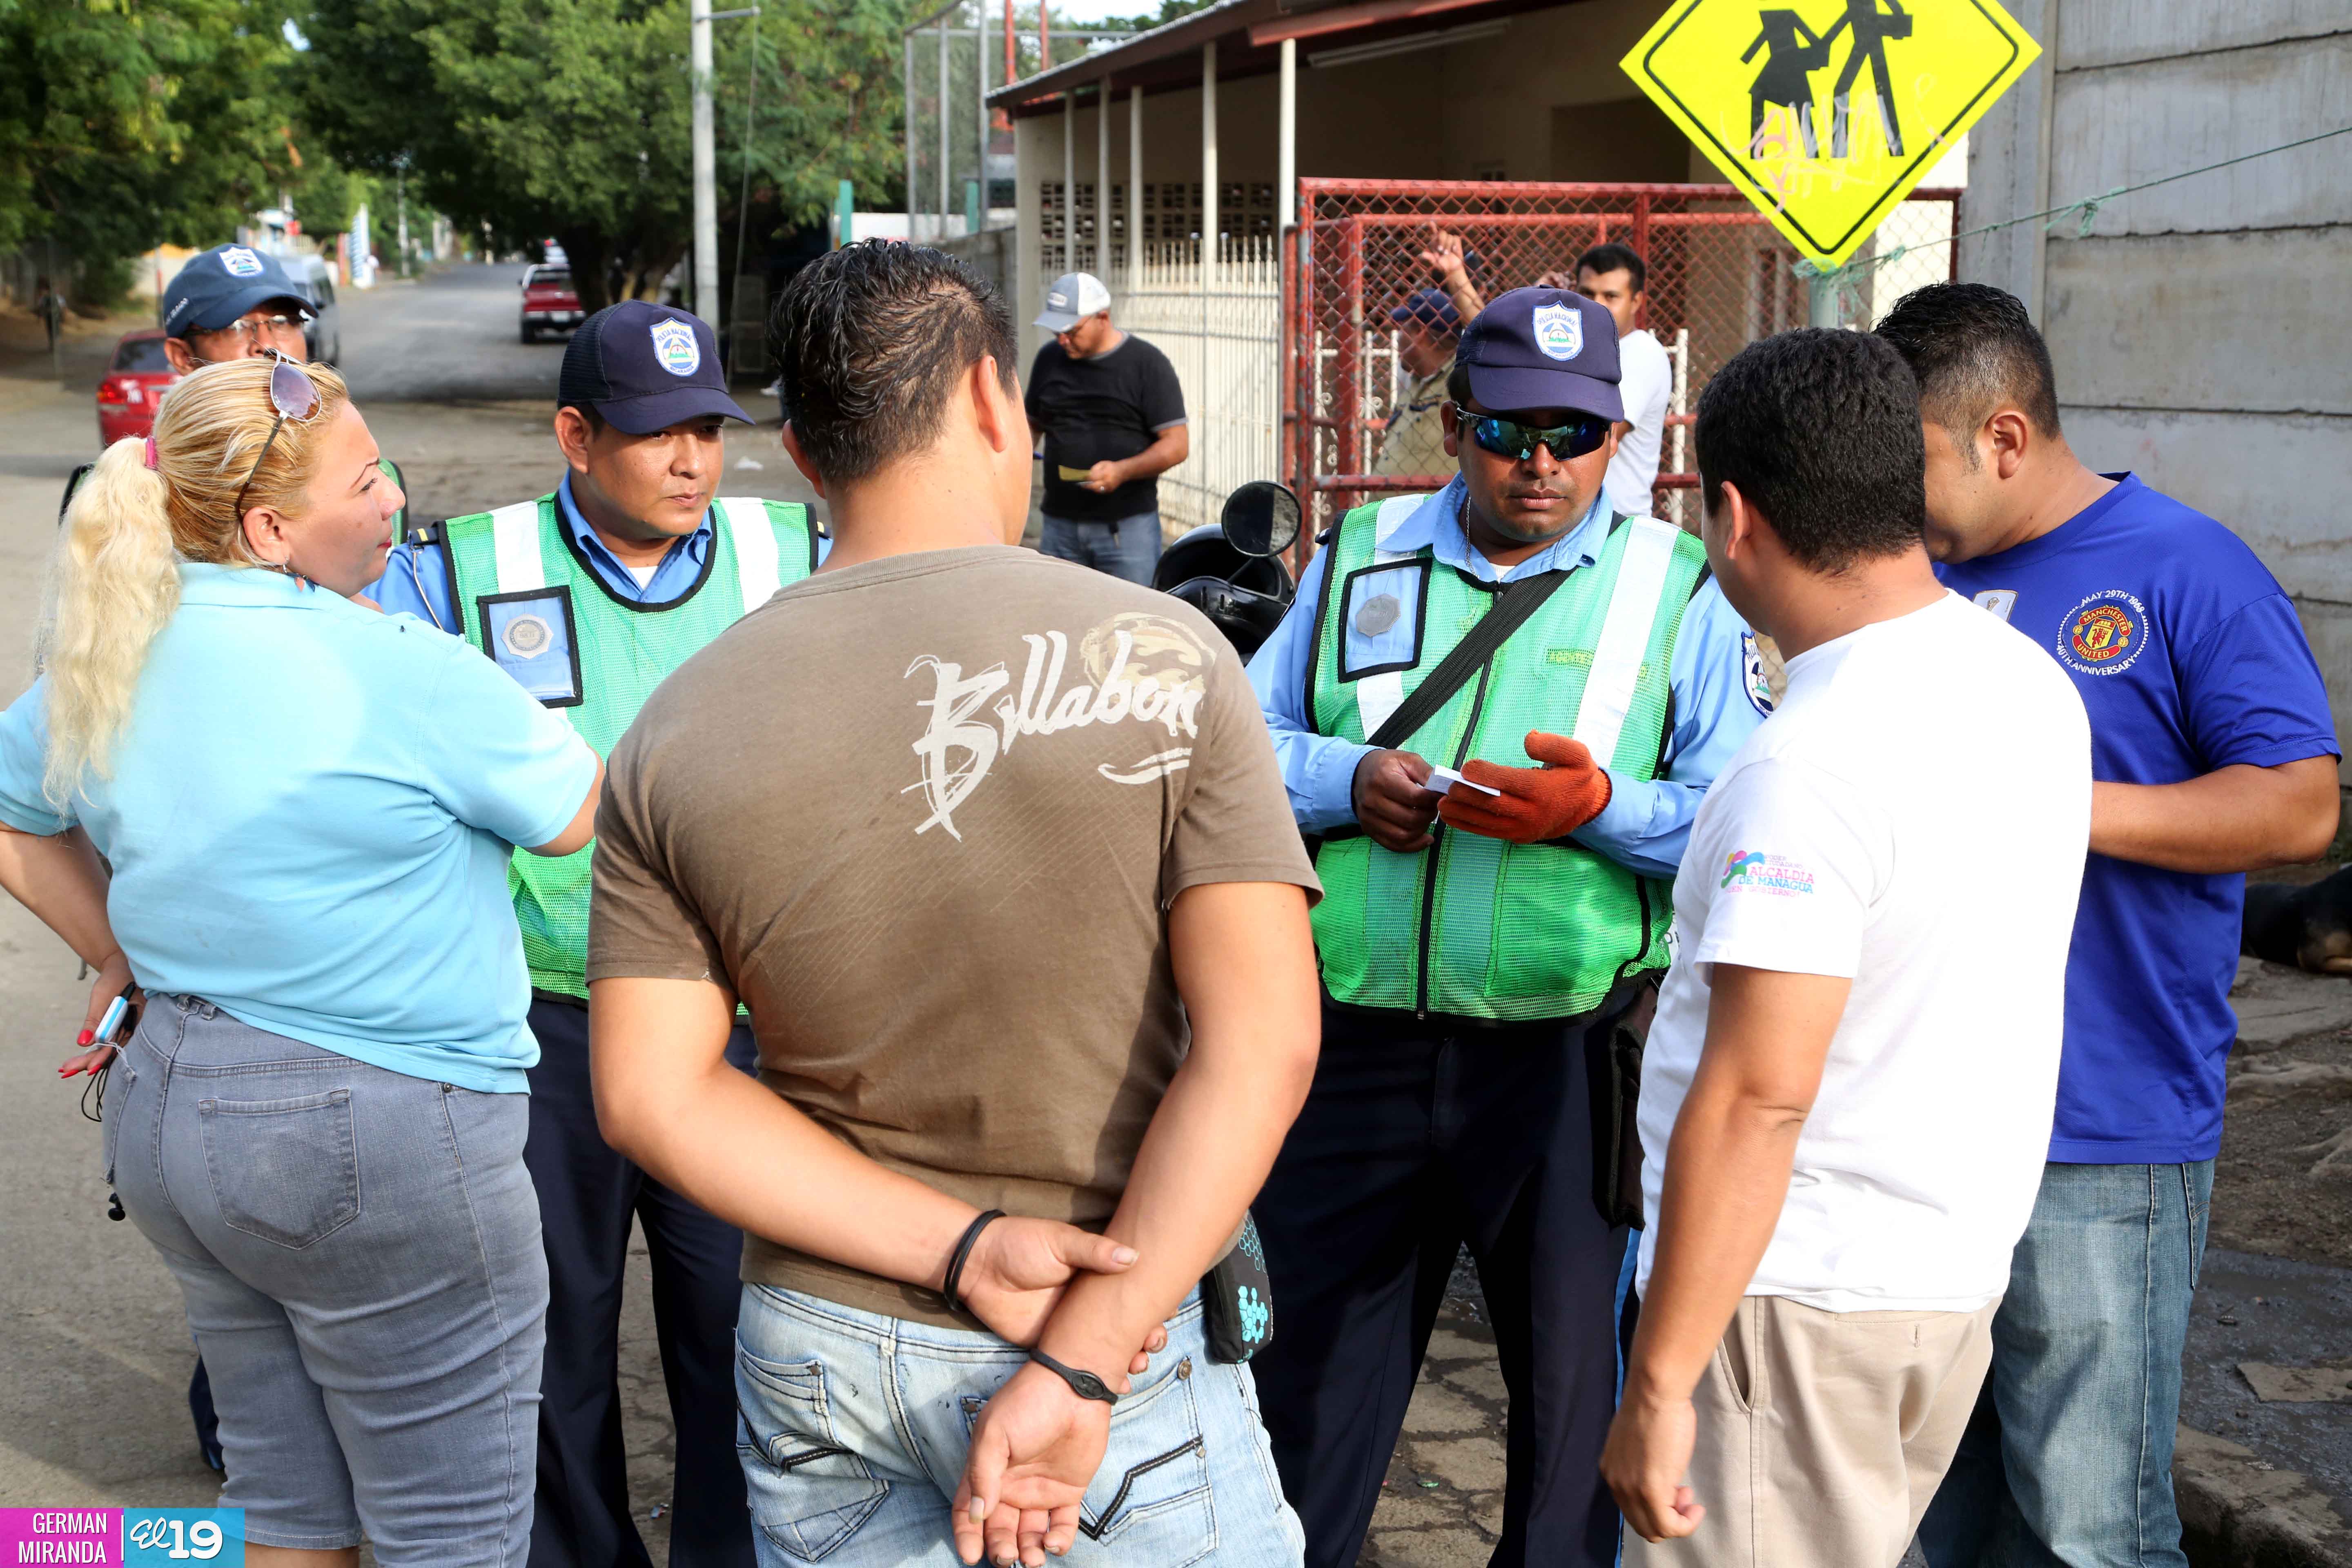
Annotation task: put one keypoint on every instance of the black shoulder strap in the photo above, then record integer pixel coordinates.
(1513, 608)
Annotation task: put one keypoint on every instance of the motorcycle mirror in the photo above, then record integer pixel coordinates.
(1261, 519)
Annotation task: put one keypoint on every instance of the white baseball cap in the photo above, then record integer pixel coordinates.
(1074, 297)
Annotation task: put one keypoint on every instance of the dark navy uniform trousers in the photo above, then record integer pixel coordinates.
(587, 1197)
(1417, 1138)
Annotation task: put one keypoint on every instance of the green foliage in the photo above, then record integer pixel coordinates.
(1144, 21)
(127, 123)
(570, 119)
(828, 105)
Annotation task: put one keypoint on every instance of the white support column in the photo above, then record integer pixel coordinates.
(940, 230)
(1209, 162)
(1069, 183)
(1102, 182)
(1134, 185)
(910, 79)
(1285, 157)
(980, 102)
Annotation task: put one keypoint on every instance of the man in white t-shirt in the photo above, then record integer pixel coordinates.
(1847, 1093)
(1614, 276)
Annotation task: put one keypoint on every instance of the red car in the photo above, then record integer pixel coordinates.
(548, 301)
(128, 393)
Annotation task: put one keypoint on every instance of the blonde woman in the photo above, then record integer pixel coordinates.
(307, 808)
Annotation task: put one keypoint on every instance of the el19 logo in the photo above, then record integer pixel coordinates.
(153, 1536)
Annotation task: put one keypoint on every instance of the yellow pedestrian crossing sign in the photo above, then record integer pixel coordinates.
(1826, 112)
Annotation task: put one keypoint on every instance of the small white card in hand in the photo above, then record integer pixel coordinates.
(1440, 779)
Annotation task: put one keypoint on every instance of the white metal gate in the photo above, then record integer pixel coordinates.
(1223, 335)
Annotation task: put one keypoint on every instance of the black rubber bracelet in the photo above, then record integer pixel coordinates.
(1085, 1385)
(962, 1254)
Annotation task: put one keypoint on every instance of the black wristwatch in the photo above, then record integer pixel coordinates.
(1085, 1385)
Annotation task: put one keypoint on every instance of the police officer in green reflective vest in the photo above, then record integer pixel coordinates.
(1483, 941)
(589, 596)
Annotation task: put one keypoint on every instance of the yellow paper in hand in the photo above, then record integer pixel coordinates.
(1070, 475)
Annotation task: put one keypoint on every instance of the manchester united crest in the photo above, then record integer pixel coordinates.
(2104, 634)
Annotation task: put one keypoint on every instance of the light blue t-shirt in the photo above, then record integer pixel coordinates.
(309, 819)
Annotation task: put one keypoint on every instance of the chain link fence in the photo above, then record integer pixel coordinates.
(1719, 277)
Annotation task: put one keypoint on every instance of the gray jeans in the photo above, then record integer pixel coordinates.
(360, 1253)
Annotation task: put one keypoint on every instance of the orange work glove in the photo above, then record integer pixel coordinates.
(1536, 803)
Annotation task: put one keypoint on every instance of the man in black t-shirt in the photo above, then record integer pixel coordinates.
(1109, 419)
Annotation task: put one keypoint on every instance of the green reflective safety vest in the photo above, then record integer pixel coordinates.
(1474, 926)
(518, 564)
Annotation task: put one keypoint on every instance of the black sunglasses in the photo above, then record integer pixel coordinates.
(295, 396)
(1509, 438)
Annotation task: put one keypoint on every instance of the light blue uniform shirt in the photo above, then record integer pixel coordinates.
(416, 581)
(1716, 678)
(309, 819)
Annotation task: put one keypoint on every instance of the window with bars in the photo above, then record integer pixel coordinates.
(1172, 211)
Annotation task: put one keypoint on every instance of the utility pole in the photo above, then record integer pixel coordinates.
(699, 15)
(400, 186)
(706, 169)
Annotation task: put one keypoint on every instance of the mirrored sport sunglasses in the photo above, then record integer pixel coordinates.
(1508, 439)
(295, 396)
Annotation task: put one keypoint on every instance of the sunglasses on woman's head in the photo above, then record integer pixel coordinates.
(295, 396)
(1509, 438)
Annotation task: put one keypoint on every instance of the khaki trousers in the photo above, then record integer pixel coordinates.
(1822, 1436)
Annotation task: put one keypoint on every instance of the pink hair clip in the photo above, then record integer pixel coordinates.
(150, 451)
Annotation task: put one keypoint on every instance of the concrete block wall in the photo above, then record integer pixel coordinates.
(2202, 329)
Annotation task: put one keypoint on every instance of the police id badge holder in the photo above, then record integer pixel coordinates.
(1237, 1300)
(529, 634)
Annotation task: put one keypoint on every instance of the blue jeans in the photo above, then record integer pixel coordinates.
(2068, 1458)
(1129, 548)
(360, 1253)
(853, 1428)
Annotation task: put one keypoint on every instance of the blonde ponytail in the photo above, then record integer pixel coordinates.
(116, 585)
(115, 577)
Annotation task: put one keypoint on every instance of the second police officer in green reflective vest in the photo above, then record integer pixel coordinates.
(590, 596)
(1480, 949)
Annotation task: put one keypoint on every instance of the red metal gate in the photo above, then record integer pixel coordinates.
(1719, 277)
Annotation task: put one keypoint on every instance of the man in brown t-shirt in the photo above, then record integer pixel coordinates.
(995, 850)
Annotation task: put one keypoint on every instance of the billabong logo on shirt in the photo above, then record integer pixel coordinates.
(1775, 874)
(1146, 669)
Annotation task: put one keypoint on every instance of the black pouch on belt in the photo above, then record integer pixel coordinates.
(1616, 1126)
(1237, 1300)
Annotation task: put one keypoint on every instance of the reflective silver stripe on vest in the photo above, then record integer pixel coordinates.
(1378, 696)
(514, 537)
(1625, 636)
(755, 549)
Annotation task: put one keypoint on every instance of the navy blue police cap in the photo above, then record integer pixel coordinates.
(645, 368)
(1543, 348)
(1432, 308)
(219, 284)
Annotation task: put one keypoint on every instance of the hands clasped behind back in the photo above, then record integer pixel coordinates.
(1018, 1268)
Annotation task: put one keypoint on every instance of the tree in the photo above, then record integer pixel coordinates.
(571, 118)
(125, 124)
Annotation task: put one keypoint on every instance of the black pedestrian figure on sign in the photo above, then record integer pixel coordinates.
(1871, 30)
(1791, 54)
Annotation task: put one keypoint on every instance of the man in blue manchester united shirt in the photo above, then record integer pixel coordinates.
(2214, 755)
